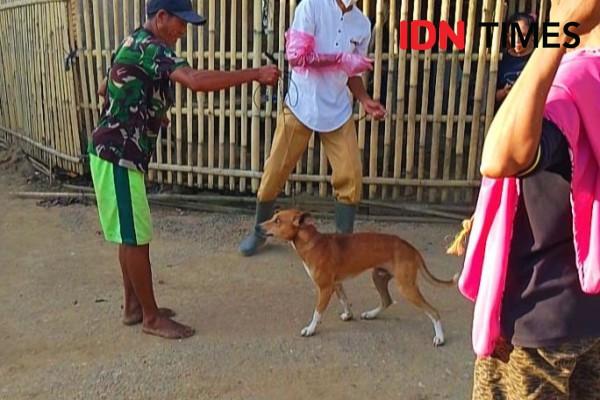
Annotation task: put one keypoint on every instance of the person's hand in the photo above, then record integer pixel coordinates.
(102, 88)
(584, 12)
(507, 88)
(374, 108)
(268, 75)
(353, 64)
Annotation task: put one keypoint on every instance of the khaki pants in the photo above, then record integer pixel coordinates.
(290, 142)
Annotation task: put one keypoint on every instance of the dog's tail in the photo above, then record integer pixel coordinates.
(433, 279)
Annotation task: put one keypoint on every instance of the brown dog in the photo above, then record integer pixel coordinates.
(329, 259)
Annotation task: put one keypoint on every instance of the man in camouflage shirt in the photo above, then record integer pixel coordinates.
(138, 93)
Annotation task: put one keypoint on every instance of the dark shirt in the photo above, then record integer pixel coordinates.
(509, 69)
(139, 93)
(543, 304)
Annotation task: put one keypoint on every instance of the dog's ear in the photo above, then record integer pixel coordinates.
(302, 219)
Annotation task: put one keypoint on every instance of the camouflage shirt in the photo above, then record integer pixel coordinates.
(139, 93)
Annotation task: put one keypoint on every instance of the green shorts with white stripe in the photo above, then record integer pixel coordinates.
(122, 203)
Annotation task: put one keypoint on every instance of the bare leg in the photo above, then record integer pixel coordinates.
(132, 310)
(139, 272)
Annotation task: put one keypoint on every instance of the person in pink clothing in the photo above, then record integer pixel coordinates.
(548, 344)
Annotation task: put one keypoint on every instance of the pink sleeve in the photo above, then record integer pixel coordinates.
(561, 110)
(300, 53)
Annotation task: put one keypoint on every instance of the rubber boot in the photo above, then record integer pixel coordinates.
(344, 217)
(256, 239)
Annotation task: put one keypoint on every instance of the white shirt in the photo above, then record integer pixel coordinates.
(321, 100)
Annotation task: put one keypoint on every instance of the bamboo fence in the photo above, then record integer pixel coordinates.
(428, 148)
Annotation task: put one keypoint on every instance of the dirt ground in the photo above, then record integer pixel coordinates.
(61, 335)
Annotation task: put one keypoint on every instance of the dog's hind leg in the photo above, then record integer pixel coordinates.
(381, 277)
(341, 294)
(322, 303)
(411, 292)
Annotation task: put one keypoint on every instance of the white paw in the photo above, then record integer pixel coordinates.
(346, 316)
(438, 341)
(368, 315)
(307, 331)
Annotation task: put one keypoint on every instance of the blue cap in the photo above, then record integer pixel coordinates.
(180, 8)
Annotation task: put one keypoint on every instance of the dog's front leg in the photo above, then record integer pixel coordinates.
(322, 302)
(341, 294)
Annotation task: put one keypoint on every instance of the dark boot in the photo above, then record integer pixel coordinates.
(344, 217)
(256, 239)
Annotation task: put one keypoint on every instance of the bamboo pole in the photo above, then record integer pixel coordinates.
(464, 95)
(222, 120)
(136, 14)
(30, 76)
(59, 43)
(116, 28)
(20, 41)
(412, 104)
(9, 70)
(512, 6)
(362, 123)
(310, 153)
(244, 116)
(477, 102)
(544, 8)
(83, 86)
(97, 41)
(255, 130)
(178, 127)
(28, 88)
(451, 104)
(281, 54)
(54, 96)
(232, 93)
(391, 67)
(374, 138)
(4, 109)
(47, 149)
(15, 73)
(424, 107)
(400, 105)
(60, 77)
(92, 77)
(51, 102)
(269, 90)
(126, 27)
(200, 99)
(189, 127)
(437, 108)
(493, 71)
(44, 136)
(71, 97)
(238, 113)
(106, 33)
(7, 5)
(211, 95)
(4, 63)
(320, 178)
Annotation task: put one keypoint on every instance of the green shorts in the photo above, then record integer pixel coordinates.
(122, 203)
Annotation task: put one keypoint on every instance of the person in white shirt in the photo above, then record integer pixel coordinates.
(326, 46)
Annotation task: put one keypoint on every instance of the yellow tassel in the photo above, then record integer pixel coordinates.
(457, 248)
